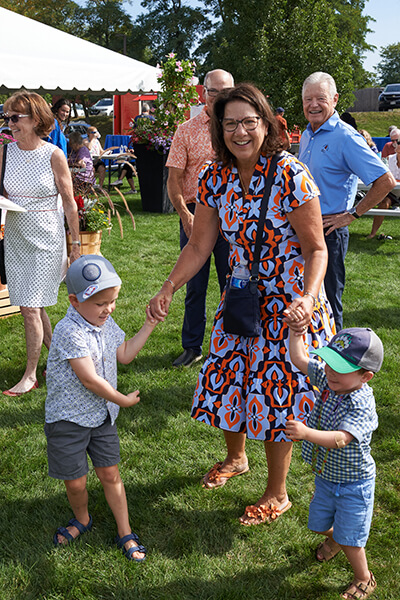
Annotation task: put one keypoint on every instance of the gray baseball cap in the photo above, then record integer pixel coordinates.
(353, 349)
(89, 275)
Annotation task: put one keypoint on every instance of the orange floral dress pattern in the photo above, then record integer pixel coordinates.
(249, 384)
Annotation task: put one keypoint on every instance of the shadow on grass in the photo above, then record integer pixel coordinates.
(71, 573)
(376, 318)
(266, 583)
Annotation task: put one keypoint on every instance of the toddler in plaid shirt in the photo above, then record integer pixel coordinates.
(336, 443)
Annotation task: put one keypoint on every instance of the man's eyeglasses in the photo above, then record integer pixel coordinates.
(249, 123)
(212, 92)
(14, 118)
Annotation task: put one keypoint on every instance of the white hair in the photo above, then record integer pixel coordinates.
(320, 77)
(394, 131)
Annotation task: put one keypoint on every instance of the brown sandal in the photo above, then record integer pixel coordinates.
(216, 477)
(265, 513)
(358, 590)
(326, 551)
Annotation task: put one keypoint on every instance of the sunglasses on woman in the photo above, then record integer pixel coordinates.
(14, 118)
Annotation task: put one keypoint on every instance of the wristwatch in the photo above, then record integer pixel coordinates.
(353, 212)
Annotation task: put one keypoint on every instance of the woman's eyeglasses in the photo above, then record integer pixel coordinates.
(396, 142)
(249, 123)
(14, 118)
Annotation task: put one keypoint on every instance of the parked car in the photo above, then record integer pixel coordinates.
(390, 97)
(105, 106)
(79, 112)
(80, 126)
(1, 111)
(5, 129)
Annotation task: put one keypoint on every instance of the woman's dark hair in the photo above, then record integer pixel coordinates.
(244, 92)
(30, 103)
(56, 107)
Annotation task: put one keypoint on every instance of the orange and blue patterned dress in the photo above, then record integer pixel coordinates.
(249, 384)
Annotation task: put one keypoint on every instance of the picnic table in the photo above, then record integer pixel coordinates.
(378, 212)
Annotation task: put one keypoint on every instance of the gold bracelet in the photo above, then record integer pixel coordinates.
(312, 296)
(171, 282)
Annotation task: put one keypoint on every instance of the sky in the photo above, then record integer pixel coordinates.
(385, 29)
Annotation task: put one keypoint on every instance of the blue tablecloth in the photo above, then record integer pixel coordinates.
(116, 140)
(379, 141)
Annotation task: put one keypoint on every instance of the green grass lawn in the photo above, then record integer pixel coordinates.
(377, 123)
(196, 547)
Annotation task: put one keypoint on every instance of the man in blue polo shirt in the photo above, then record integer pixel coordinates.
(337, 155)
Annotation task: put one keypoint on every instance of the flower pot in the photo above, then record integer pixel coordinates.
(90, 242)
(153, 175)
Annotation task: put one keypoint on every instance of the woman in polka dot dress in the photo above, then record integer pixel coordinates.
(35, 173)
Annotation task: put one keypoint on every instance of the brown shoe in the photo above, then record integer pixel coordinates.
(358, 590)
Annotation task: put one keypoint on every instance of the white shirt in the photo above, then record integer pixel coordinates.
(394, 169)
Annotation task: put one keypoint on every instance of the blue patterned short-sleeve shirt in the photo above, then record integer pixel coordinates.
(67, 398)
(355, 413)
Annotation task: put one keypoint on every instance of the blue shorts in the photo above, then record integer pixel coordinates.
(347, 507)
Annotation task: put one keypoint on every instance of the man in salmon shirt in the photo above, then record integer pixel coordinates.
(191, 148)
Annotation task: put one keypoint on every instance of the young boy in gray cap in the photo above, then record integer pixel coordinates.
(337, 445)
(82, 401)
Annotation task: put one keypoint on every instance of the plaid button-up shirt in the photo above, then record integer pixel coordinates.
(355, 413)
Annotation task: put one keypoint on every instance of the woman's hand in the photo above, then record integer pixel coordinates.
(298, 314)
(74, 254)
(159, 305)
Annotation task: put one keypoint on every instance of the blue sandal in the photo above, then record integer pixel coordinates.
(128, 553)
(64, 531)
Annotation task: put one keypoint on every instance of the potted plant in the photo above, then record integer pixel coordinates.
(94, 218)
(152, 138)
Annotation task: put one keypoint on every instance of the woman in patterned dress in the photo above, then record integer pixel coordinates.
(247, 386)
(35, 173)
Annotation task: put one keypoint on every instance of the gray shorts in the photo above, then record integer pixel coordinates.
(68, 445)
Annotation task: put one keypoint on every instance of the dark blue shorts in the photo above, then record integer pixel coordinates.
(68, 445)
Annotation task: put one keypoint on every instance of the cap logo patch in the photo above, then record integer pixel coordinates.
(92, 289)
(342, 342)
(91, 272)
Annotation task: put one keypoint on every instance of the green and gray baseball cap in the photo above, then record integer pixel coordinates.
(353, 349)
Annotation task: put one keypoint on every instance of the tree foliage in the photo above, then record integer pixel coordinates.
(62, 14)
(277, 43)
(273, 43)
(172, 26)
(388, 69)
(106, 23)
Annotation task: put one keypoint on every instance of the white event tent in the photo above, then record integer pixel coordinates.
(40, 58)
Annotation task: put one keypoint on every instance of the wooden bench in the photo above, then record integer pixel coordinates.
(6, 310)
